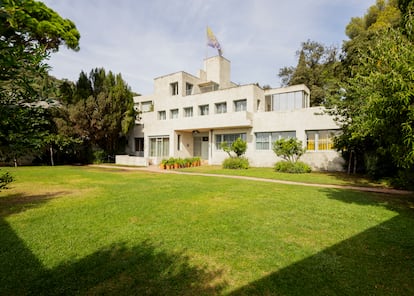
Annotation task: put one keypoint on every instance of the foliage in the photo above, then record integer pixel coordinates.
(98, 109)
(239, 147)
(29, 31)
(236, 163)
(318, 68)
(289, 149)
(297, 167)
(376, 110)
(5, 179)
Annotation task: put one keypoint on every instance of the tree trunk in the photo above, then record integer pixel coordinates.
(349, 162)
(52, 162)
(355, 163)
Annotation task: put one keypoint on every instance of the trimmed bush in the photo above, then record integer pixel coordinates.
(298, 167)
(236, 163)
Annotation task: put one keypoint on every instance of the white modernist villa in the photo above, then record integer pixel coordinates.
(191, 115)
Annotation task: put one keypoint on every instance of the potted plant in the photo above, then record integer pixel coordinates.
(163, 163)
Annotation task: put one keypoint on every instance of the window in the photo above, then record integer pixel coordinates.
(221, 108)
(188, 89)
(240, 105)
(162, 115)
(159, 146)
(147, 106)
(320, 140)
(188, 112)
(174, 88)
(139, 146)
(203, 110)
(264, 141)
(174, 113)
(289, 101)
(228, 138)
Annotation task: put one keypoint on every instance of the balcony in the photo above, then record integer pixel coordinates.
(214, 121)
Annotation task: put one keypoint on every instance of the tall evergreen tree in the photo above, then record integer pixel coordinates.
(317, 68)
(102, 112)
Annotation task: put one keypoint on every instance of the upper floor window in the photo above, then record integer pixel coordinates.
(221, 108)
(188, 89)
(188, 112)
(174, 113)
(174, 88)
(203, 109)
(162, 115)
(240, 105)
(147, 106)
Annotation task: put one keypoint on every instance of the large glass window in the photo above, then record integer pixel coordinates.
(288, 101)
(264, 141)
(159, 146)
(320, 140)
(203, 109)
(221, 108)
(228, 138)
(188, 112)
(240, 105)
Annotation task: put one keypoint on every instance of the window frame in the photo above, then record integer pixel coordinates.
(220, 138)
(236, 102)
(204, 107)
(221, 107)
(174, 113)
(162, 115)
(187, 110)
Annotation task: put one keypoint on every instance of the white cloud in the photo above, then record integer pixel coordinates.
(146, 39)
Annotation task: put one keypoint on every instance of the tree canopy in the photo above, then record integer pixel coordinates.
(375, 104)
(29, 32)
(99, 109)
(316, 68)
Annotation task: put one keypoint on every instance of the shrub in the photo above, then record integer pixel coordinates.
(236, 163)
(292, 167)
(99, 156)
(5, 179)
(289, 149)
(239, 147)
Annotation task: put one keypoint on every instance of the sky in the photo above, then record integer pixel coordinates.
(145, 39)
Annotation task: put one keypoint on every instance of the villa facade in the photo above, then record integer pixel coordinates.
(190, 115)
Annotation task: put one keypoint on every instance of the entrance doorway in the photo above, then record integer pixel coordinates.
(201, 146)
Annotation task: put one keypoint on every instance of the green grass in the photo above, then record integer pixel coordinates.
(83, 230)
(333, 178)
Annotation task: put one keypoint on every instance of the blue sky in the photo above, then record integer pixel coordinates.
(144, 39)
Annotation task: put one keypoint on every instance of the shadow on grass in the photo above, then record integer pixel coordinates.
(143, 269)
(378, 261)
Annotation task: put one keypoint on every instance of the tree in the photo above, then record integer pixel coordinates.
(29, 32)
(238, 147)
(376, 106)
(317, 68)
(101, 111)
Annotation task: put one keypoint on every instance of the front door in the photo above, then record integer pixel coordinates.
(201, 147)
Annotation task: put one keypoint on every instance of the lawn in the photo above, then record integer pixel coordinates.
(84, 230)
(333, 178)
